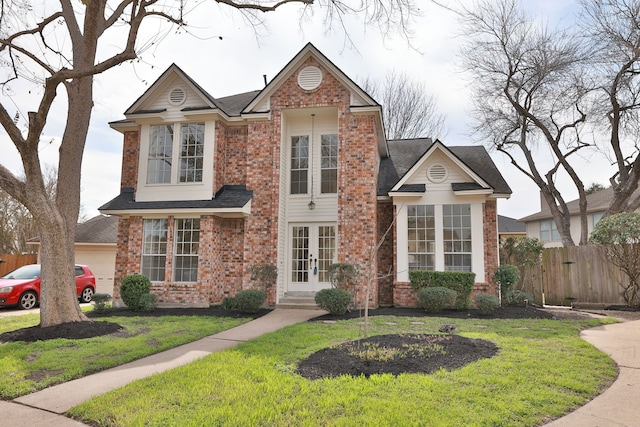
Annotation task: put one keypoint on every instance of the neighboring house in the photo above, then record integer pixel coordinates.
(542, 226)
(510, 227)
(95, 246)
(298, 175)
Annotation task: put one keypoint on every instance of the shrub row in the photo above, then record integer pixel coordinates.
(460, 282)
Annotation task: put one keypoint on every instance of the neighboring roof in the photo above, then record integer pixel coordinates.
(99, 229)
(510, 225)
(405, 153)
(596, 202)
(229, 197)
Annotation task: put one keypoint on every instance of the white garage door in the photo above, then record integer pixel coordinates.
(102, 262)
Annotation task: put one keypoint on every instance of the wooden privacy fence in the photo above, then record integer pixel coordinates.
(578, 273)
(11, 262)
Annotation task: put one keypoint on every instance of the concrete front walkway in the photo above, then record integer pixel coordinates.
(44, 408)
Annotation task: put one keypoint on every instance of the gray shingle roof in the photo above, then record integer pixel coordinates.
(230, 196)
(404, 153)
(596, 202)
(99, 229)
(510, 225)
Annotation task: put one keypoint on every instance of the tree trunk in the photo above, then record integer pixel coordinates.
(58, 301)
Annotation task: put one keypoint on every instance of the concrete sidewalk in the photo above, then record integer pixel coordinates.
(44, 408)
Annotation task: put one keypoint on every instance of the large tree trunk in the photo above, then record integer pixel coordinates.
(57, 226)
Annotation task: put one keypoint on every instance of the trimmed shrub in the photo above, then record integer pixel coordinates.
(436, 298)
(335, 301)
(461, 282)
(507, 276)
(101, 302)
(486, 303)
(249, 300)
(148, 302)
(132, 288)
(229, 304)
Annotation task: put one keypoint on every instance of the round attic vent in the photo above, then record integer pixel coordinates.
(309, 77)
(177, 96)
(437, 173)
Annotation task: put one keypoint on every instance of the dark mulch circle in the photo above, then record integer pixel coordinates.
(72, 331)
(396, 354)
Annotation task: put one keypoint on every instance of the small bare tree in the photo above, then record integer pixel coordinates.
(409, 110)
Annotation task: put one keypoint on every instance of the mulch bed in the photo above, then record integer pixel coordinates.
(396, 354)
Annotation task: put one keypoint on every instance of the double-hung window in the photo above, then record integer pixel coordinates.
(299, 164)
(187, 241)
(549, 231)
(154, 249)
(421, 237)
(162, 158)
(439, 236)
(191, 152)
(329, 163)
(160, 154)
(456, 221)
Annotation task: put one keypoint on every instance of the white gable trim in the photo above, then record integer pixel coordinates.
(309, 51)
(437, 145)
(169, 72)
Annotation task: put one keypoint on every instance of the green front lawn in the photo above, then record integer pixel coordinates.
(28, 367)
(543, 370)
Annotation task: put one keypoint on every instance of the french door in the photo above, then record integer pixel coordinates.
(312, 249)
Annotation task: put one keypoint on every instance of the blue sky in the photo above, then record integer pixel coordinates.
(237, 63)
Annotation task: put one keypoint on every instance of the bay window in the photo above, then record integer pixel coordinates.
(161, 164)
(439, 232)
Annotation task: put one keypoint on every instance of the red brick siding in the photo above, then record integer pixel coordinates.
(386, 259)
(235, 156)
(491, 256)
(130, 159)
(357, 204)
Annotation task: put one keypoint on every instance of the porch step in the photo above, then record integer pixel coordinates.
(299, 300)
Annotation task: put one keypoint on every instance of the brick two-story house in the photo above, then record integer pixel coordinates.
(298, 175)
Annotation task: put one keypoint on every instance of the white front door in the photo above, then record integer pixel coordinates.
(312, 249)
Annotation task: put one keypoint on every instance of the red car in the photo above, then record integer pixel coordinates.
(21, 287)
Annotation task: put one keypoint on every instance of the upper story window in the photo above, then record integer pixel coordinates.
(596, 217)
(191, 152)
(160, 154)
(549, 231)
(329, 163)
(299, 164)
(160, 162)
